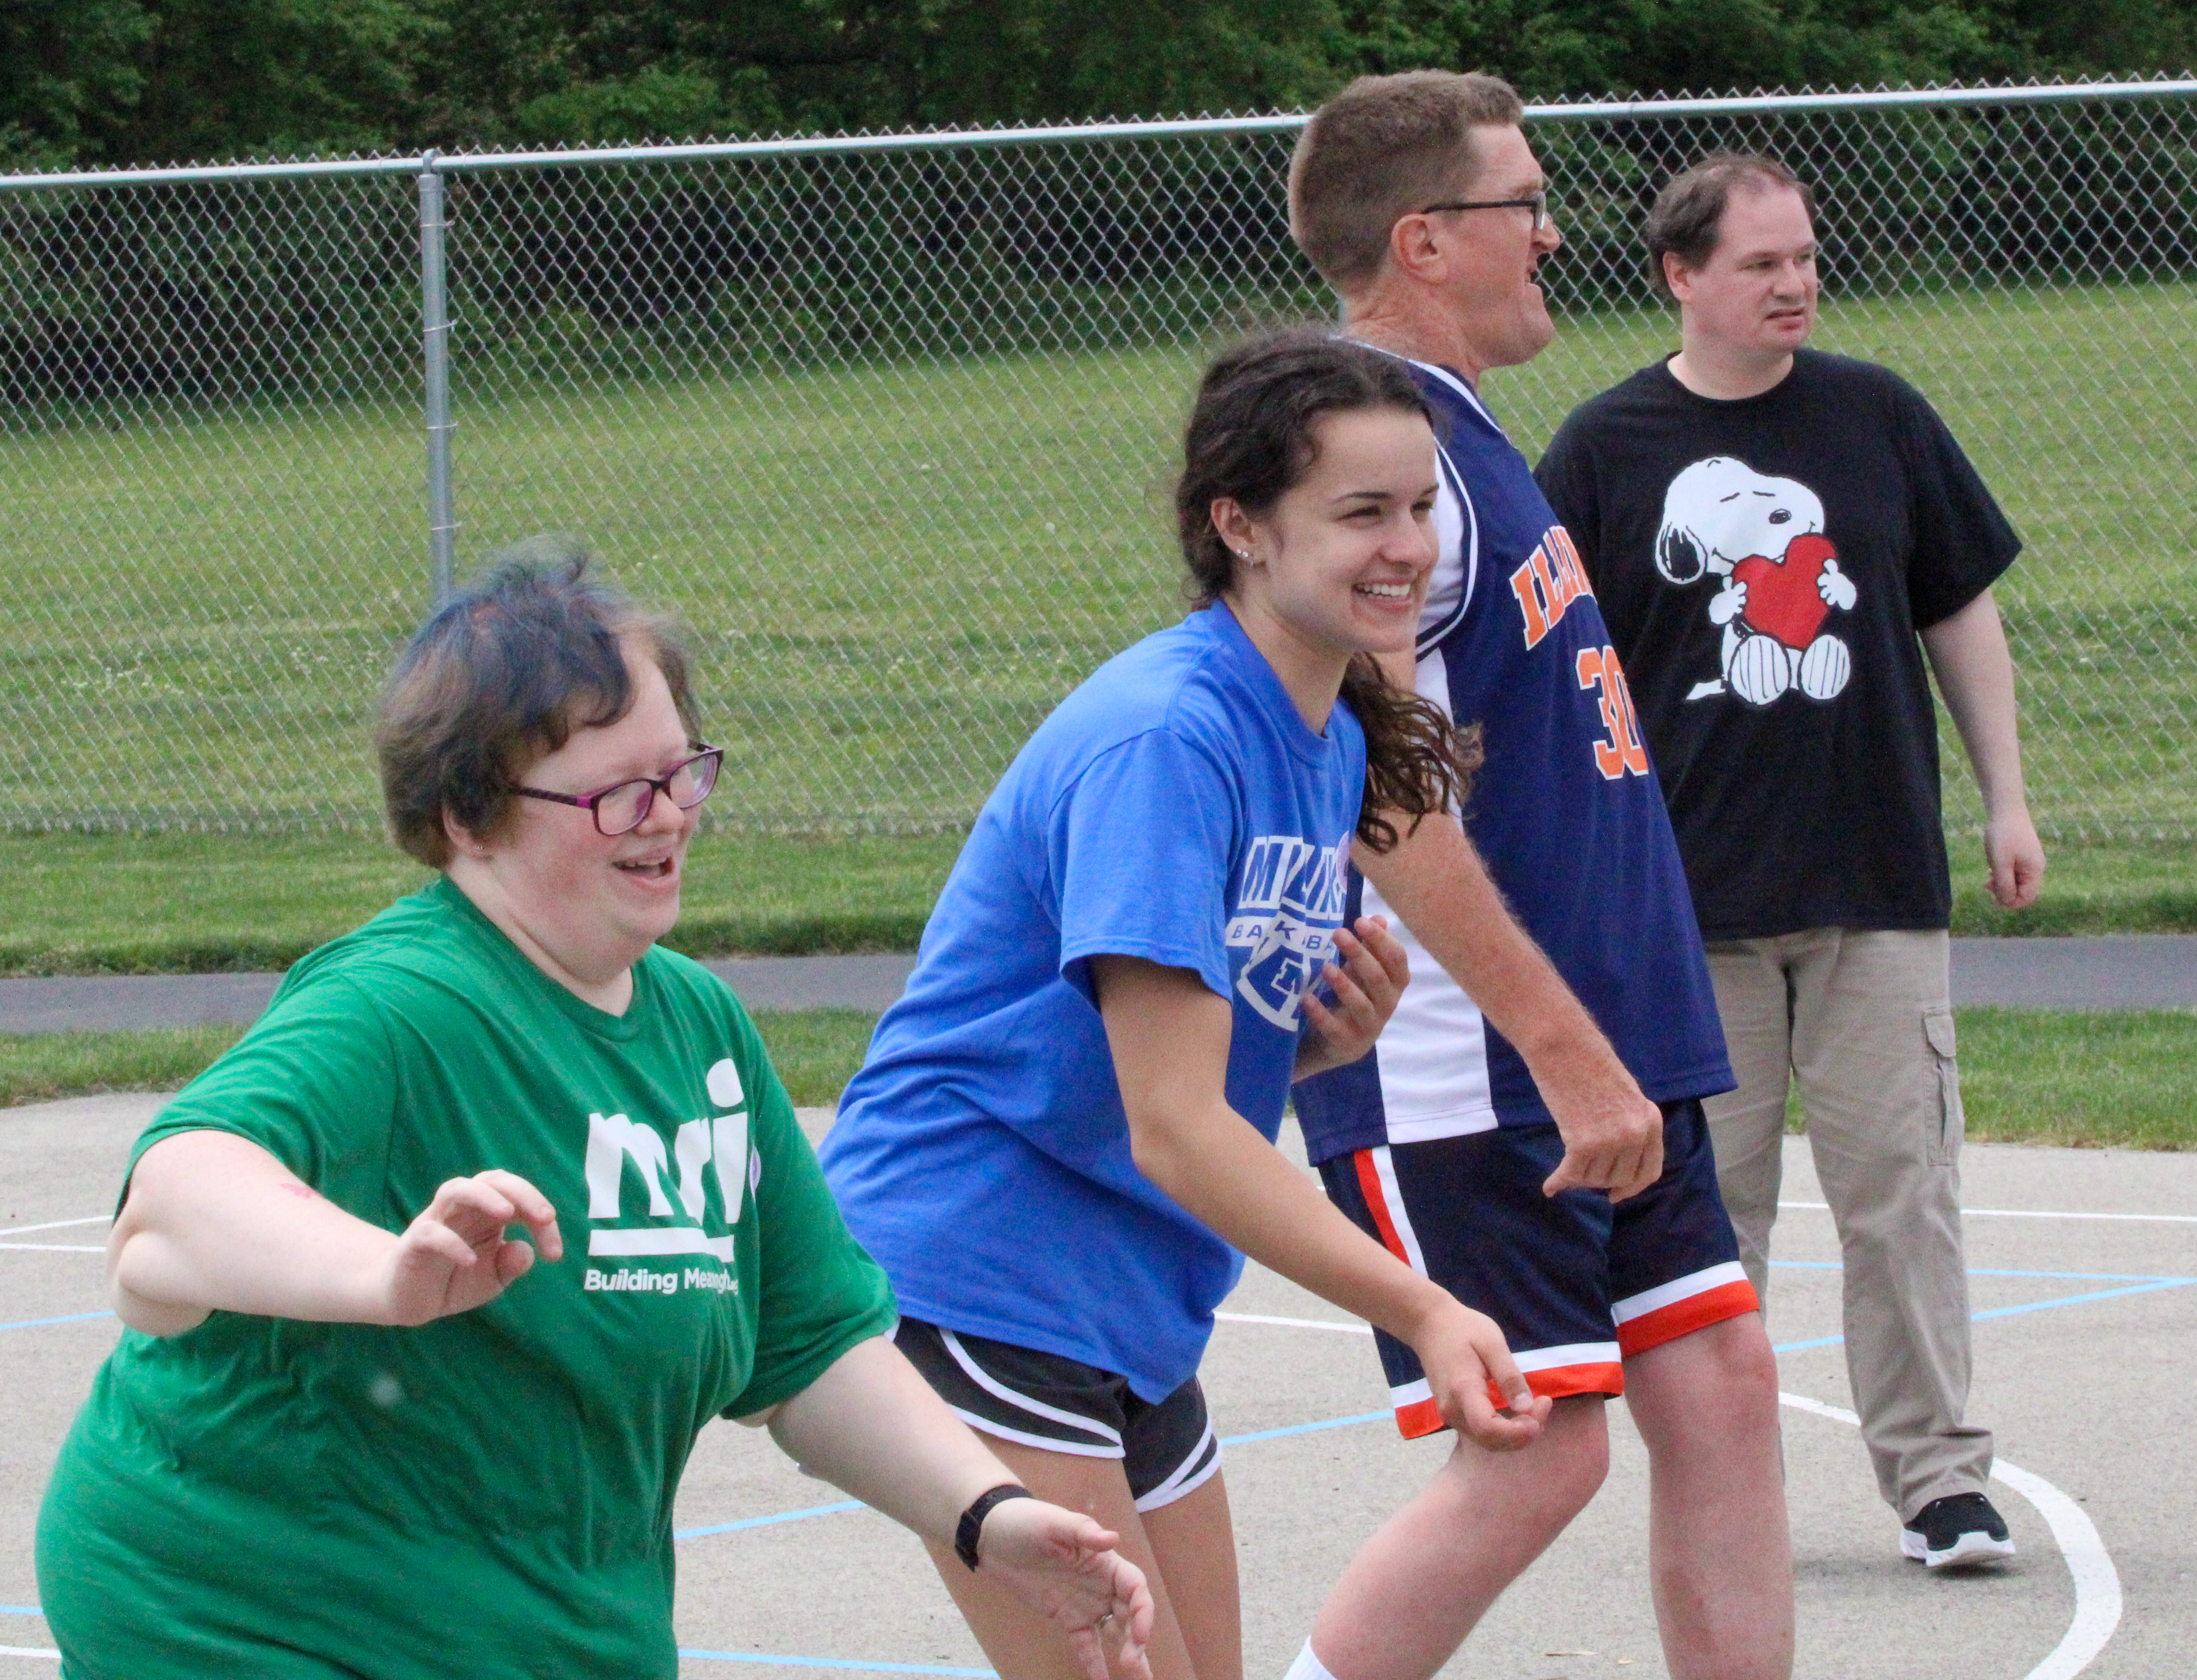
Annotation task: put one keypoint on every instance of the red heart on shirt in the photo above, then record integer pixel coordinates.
(1783, 599)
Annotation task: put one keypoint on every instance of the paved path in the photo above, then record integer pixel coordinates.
(2116, 971)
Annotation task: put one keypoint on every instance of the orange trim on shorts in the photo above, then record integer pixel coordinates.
(1684, 1317)
(1423, 1417)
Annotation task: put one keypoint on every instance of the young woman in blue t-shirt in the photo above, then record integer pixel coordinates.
(1047, 1148)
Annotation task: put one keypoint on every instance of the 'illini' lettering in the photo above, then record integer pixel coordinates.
(1549, 581)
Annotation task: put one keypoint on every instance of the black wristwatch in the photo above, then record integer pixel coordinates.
(973, 1520)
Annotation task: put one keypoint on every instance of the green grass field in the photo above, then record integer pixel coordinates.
(893, 570)
(181, 903)
(2032, 1076)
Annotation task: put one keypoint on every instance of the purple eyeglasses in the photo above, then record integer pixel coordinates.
(623, 807)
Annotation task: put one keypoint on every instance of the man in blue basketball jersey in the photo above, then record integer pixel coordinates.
(1528, 1131)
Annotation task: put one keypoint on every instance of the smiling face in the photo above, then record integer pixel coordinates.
(1339, 564)
(1492, 254)
(588, 904)
(1755, 297)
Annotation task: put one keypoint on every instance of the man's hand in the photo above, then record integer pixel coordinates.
(455, 1257)
(2016, 858)
(1613, 1135)
(1064, 1566)
(1464, 1356)
(1374, 971)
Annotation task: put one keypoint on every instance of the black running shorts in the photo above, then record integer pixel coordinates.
(1166, 1448)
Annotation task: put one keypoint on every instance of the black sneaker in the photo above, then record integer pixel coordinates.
(1960, 1528)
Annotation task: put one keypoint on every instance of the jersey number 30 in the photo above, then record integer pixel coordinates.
(1622, 752)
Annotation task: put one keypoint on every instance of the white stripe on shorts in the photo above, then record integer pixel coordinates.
(1030, 1437)
(991, 1384)
(1384, 1169)
(1679, 1288)
(1192, 1473)
(1574, 1353)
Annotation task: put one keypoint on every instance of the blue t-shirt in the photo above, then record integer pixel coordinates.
(1566, 813)
(1175, 807)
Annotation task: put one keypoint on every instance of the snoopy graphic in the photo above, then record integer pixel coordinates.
(1763, 537)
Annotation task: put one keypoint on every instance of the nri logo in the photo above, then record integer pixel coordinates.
(716, 1147)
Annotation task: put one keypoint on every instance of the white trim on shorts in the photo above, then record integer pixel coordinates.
(1185, 1481)
(1050, 1443)
(1385, 1171)
(999, 1390)
(1678, 1289)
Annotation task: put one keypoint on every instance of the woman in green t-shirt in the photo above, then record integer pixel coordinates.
(354, 1426)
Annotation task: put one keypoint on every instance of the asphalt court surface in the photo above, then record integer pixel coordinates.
(2086, 1362)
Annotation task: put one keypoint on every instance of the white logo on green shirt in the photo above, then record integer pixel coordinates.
(718, 1145)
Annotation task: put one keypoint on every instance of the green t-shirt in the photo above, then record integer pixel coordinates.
(489, 1495)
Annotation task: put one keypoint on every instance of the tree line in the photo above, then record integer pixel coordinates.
(92, 83)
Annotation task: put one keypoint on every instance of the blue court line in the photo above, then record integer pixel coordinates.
(845, 1663)
(1305, 1428)
(66, 1318)
(2145, 1287)
(783, 1516)
(857, 1505)
(2078, 1301)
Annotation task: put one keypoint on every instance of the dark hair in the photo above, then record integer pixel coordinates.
(1687, 216)
(502, 675)
(1252, 436)
(1383, 148)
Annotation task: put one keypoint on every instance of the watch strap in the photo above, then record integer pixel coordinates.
(966, 1532)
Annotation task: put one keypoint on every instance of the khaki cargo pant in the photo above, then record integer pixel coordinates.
(1864, 1022)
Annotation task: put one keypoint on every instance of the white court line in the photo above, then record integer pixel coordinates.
(2033, 1214)
(56, 1247)
(56, 1225)
(2097, 1584)
(1292, 1324)
(28, 1651)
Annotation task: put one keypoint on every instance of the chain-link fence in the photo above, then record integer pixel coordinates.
(889, 421)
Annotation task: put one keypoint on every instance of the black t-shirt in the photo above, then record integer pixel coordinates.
(1764, 565)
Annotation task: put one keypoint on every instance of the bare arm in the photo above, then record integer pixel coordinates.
(215, 1223)
(1976, 674)
(1169, 1035)
(1436, 883)
(872, 1425)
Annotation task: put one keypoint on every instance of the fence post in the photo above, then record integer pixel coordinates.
(435, 341)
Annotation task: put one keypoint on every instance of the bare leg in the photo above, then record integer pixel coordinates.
(1200, 1613)
(1406, 1601)
(1720, 1552)
(1194, 1541)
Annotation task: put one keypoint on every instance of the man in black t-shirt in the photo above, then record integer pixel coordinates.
(1777, 537)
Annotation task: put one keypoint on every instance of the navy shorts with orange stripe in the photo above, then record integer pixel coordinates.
(1578, 1285)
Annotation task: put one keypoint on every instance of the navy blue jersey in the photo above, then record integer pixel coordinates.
(1566, 813)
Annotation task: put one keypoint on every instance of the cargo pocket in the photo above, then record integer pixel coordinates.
(1947, 1120)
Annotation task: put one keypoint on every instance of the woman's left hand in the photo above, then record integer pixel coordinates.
(1063, 1565)
(1366, 984)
